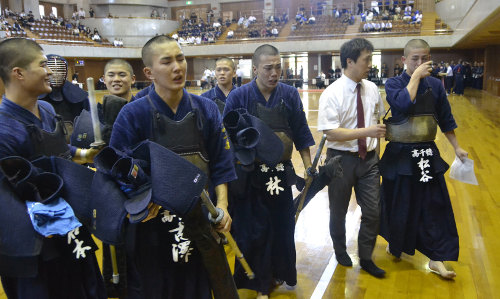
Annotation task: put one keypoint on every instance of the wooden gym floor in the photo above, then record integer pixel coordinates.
(475, 207)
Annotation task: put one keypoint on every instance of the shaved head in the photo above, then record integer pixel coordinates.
(415, 44)
(16, 52)
(148, 49)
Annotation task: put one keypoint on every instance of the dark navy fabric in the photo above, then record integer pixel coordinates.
(144, 92)
(155, 270)
(400, 102)
(216, 93)
(134, 125)
(263, 223)
(57, 272)
(417, 215)
(244, 96)
(15, 138)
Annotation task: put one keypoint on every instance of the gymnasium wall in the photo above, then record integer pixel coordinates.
(492, 70)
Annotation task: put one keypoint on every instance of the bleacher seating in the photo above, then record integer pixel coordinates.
(325, 26)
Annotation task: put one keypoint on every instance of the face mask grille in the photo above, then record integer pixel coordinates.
(59, 67)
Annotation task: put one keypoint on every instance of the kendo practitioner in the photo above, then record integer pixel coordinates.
(118, 79)
(349, 113)
(67, 99)
(458, 72)
(30, 128)
(224, 73)
(167, 263)
(416, 212)
(263, 207)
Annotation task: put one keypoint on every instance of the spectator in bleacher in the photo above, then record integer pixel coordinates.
(408, 8)
(388, 26)
(369, 16)
(360, 7)
(193, 17)
(31, 17)
(81, 13)
(91, 12)
(418, 17)
(336, 13)
(17, 27)
(252, 19)
(230, 34)
(76, 31)
(298, 16)
(241, 20)
(363, 17)
(68, 25)
(175, 36)
(311, 20)
(407, 17)
(385, 15)
(376, 26)
(285, 18)
(97, 38)
(216, 24)
(228, 22)
(397, 10)
(275, 32)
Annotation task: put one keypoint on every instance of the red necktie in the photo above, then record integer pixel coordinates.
(361, 123)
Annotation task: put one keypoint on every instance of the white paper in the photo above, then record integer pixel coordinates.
(463, 171)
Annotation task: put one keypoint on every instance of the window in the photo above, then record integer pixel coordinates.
(54, 11)
(41, 8)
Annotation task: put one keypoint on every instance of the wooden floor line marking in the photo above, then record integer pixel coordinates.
(351, 224)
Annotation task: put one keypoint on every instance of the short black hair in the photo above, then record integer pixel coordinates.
(16, 52)
(416, 43)
(148, 47)
(118, 61)
(352, 49)
(265, 49)
(229, 60)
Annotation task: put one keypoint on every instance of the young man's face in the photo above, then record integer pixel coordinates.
(37, 76)
(268, 71)
(415, 58)
(168, 67)
(118, 80)
(224, 73)
(361, 67)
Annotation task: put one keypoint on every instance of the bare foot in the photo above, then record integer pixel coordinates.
(439, 268)
(260, 296)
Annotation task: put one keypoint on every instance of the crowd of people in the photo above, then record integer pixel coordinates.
(196, 31)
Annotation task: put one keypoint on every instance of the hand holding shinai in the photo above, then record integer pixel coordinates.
(218, 214)
(311, 171)
(97, 144)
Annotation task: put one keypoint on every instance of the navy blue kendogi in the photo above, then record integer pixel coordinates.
(218, 96)
(162, 270)
(56, 272)
(262, 203)
(458, 71)
(416, 212)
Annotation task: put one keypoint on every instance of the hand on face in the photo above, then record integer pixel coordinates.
(424, 70)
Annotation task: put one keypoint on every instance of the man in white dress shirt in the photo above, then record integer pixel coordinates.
(349, 113)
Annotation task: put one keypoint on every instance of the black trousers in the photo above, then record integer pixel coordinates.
(364, 176)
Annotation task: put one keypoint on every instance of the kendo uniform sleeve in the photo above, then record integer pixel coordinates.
(397, 94)
(446, 121)
(221, 156)
(302, 136)
(131, 126)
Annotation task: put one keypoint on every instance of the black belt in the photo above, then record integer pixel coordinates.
(348, 153)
